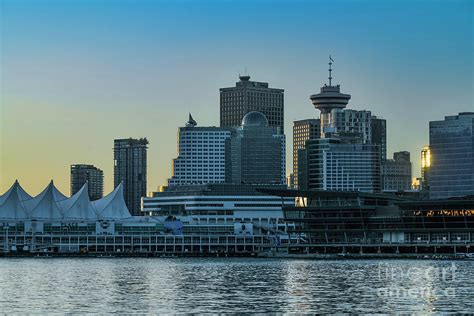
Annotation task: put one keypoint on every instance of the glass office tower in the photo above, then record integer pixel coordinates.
(452, 156)
(255, 154)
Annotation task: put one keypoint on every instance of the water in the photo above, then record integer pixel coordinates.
(157, 285)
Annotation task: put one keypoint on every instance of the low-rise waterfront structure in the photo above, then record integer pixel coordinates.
(358, 222)
(52, 223)
(219, 207)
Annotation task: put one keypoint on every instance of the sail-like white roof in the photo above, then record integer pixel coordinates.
(52, 204)
(11, 203)
(79, 205)
(45, 205)
(113, 205)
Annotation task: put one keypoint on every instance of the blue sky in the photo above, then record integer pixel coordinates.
(77, 74)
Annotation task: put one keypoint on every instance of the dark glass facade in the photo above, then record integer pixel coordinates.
(255, 154)
(379, 135)
(452, 156)
(130, 163)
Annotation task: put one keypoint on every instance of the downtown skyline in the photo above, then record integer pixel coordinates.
(65, 103)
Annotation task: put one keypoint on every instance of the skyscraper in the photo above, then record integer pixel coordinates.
(201, 155)
(249, 96)
(379, 135)
(81, 174)
(452, 156)
(334, 165)
(255, 154)
(303, 130)
(130, 163)
(396, 172)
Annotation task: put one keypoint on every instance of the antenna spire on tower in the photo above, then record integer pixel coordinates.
(330, 69)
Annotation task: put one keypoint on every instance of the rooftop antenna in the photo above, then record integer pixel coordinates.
(330, 69)
(246, 71)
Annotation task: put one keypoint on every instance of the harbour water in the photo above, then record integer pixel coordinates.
(159, 285)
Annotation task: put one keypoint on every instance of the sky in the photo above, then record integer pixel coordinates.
(76, 74)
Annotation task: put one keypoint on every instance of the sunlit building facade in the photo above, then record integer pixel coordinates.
(452, 156)
(303, 130)
(425, 168)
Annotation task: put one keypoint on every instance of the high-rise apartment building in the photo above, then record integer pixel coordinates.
(249, 96)
(130, 166)
(352, 124)
(303, 130)
(256, 153)
(396, 172)
(81, 174)
(452, 156)
(334, 165)
(379, 135)
(201, 155)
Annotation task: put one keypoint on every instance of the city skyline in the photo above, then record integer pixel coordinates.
(65, 104)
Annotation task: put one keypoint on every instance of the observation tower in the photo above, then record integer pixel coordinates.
(328, 99)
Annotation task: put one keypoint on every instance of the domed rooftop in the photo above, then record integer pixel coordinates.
(254, 118)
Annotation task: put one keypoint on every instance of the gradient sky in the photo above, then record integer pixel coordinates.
(75, 74)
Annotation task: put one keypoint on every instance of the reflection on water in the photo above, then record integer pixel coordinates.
(233, 285)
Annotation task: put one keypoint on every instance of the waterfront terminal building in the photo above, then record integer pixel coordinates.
(51, 223)
(376, 223)
(221, 209)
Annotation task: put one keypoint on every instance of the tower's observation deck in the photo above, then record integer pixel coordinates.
(330, 98)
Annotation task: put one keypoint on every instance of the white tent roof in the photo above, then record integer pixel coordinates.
(52, 204)
(113, 205)
(11, 203)
(78, 206)
(45, 204)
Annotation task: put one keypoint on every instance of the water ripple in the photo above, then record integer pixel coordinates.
(186, 285)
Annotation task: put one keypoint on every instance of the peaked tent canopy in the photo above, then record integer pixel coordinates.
(52, 204)
(78, 206)
(11, 203)
(45, 205)
(113, 205)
